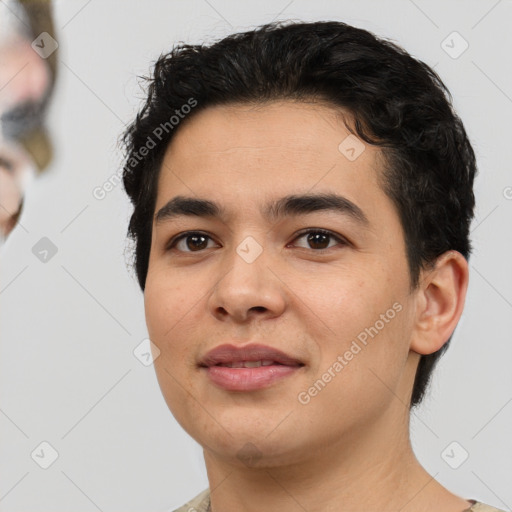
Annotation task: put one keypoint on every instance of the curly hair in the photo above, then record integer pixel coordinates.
(396, 101)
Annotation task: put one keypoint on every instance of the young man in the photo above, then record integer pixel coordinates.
(302, 200)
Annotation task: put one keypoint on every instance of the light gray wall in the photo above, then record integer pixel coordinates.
(68, 326)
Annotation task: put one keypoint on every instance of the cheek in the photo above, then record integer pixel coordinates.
(166, 300)
(368, 323)
(347, 302)
(155, 307)
(165, 309)
(174, 309)
(360, 371)
(10, 194)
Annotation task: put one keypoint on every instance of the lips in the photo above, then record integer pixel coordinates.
(230, 355)
(248, 368)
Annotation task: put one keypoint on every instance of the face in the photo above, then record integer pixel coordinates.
(324, 282)
(17, 170)
(24, 82)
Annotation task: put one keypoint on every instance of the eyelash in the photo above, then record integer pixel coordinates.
(186, 234)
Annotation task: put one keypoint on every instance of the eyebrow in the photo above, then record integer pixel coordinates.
(291, 205)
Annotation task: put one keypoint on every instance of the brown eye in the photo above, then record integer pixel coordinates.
(190, 242)
(318, 239)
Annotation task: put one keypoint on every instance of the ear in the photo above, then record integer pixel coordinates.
(440, 301)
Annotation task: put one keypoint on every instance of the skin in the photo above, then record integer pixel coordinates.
(24, 75)
(17, 169)
(24, 78)
(348, 449)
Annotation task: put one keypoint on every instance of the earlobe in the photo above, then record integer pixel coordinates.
(441, 296)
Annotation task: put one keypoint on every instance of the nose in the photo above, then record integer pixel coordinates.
(247, 290)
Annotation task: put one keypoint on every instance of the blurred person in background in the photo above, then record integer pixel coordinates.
(27, 78)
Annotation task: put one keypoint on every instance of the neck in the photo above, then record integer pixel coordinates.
(369, 469)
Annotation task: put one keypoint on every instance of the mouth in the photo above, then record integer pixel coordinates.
(249, 364)
(248, 368)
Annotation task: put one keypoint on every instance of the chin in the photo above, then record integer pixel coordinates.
(255, 453)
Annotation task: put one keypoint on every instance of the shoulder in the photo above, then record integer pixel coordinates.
(199, 503)
(482, 507)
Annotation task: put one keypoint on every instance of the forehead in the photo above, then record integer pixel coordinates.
(294, 127)
(268, 150)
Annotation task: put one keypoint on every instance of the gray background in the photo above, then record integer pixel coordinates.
(69, 326)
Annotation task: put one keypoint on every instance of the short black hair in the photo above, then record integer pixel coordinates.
(395, 101)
